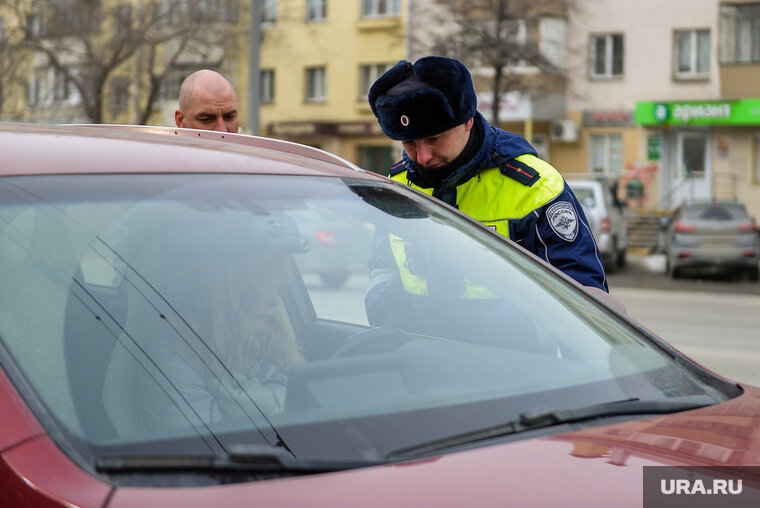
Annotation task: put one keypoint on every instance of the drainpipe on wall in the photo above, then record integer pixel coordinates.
(409, 19)
(138, 74)
(254, 68)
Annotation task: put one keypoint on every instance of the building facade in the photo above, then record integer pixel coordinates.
(318, 60)
(664, 95)
(660, 96)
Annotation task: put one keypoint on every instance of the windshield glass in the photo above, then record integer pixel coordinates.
(715, 211)
(178, 314)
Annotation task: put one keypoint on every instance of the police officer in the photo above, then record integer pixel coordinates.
(452, 153)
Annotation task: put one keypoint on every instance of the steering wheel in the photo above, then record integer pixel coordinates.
(372, 340)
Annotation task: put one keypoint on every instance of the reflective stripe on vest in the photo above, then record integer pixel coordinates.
(494, 199)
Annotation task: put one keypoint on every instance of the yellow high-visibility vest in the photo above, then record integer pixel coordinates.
(493, 199)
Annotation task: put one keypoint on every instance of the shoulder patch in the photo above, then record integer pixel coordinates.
(397, 168)
(519, 171)
(563, 220)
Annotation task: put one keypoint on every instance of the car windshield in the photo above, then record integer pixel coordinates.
(584, 194)
(715, 211)
(339, 318)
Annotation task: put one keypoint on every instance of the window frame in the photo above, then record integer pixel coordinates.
(694, 54)
(609, 40)
(613, 163)
(316, 10)
(269, 12)
(368, 74)
(380, 8)
(118, 95)
(267, 86)
(316, 84)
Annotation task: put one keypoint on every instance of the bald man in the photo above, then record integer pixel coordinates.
(208, 101)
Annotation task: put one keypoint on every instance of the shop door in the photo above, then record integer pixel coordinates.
(691, 168)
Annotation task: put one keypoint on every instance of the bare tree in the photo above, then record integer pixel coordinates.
(505, 42)
(89, 43)
(11, 63)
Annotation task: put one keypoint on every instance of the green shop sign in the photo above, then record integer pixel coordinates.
(738, 112)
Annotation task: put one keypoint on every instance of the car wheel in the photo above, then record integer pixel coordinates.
(754, 274)
(675, 273)
(333, 279)
(611, 264)
(621, 260)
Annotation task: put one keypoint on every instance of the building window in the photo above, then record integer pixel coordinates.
(174, 76)
(61, 86)
(316, 10)
(316, 84)
(369, 73)
(692, 54)
(269, 14)
(122, 19)
(606, 56)
(119, 94)
(65, 17)
(37, 91)
(379, 8)
(220, 10)
(267, 86)
(177, 12)
(375, 158)
(740, 33)
(606, 154)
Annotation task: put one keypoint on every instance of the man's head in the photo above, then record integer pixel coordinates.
(428, 105)
(207, 100)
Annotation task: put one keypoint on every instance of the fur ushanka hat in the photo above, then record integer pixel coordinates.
(416, 101)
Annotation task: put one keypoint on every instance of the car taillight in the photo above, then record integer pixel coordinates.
(326, 238)
(749, 253)
(606, 225)
(748, 227)
(685, 227)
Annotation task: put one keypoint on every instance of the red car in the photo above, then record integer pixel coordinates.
(160, 346)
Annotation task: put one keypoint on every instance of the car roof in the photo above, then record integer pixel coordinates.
(584, 183)
(90, 149)
(712, 202)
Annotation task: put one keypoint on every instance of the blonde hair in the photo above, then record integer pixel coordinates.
(239, 332)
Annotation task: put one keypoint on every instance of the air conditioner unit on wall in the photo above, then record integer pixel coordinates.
(564, 131)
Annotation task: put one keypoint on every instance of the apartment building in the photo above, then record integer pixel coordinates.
(318, 60)
(113, 61)
(659, 94)
(664, 94)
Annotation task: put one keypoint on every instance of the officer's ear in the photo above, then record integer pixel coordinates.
(469, 123)
(179, 118)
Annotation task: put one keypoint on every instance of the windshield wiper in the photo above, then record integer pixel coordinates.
(542, 418)
(241, 458)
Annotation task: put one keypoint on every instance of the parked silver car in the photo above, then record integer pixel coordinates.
(338, 244)
(607, 220)
(712, 236)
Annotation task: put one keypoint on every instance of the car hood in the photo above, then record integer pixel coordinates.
(599, 466)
